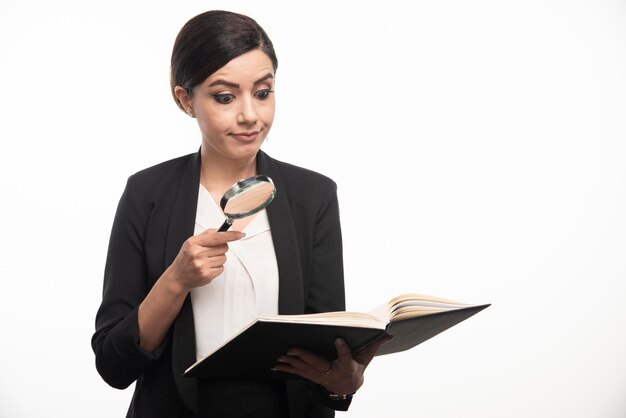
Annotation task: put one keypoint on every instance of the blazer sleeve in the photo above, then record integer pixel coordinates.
(119, 358)
(326, 291)
(326, 288)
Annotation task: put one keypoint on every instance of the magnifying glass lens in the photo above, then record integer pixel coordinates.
(245, 198)
(249, 200)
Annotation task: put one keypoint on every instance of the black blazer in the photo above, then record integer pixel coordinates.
(155, 215)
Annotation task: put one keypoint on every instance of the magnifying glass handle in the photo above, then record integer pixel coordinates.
(226, 225)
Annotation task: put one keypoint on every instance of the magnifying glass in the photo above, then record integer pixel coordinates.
(245, 198)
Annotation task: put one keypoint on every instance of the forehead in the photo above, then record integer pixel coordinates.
(246, 67)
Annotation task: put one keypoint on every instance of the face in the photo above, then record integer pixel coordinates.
(234, 107)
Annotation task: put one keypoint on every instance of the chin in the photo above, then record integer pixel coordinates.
(245, 152)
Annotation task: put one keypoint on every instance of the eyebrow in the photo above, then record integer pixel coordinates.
(236, 86)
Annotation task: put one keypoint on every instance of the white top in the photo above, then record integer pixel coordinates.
(248, 287)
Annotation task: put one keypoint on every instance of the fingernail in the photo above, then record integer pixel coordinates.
(281, 360)
(242, 234)
(339, 341)
(273, 369)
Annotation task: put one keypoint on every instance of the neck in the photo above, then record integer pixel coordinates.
(219, 173)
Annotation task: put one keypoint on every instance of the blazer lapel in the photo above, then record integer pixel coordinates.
(290, 278)
(181, 227)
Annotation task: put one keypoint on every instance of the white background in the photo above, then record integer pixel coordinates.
(480, 152)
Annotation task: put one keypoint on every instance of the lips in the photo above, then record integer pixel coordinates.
(246, 136)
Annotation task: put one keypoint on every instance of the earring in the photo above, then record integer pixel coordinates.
(190, 113)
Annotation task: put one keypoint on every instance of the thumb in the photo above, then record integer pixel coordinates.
(366, 355)
(343, 351)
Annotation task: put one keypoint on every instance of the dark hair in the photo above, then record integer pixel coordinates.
(209, 41)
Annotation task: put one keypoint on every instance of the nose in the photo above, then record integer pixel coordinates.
(247, 112)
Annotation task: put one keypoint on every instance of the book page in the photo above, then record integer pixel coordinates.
(412, 305)
(416, 298)
(415, 311)
(381, 312)
(341, 318)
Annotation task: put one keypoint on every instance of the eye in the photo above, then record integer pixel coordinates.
(263, 94)
(224, 98)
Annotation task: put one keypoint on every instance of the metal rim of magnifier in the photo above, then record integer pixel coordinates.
(241, 185)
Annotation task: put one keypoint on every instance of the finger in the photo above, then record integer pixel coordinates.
(296, 362)
(212, 273)
(211, 237)
(286, 368)
(319, 363)
(295, 365)
(204, 264)
(212, 251)
(366, 355)
(343, 351)
(216, 261)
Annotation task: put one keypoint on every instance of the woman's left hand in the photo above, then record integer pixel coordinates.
(342, 376)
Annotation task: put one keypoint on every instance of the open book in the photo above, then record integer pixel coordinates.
(410, 318)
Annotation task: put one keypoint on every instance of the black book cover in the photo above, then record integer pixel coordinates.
(253, 352)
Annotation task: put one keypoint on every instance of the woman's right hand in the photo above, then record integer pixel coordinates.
(201, 259)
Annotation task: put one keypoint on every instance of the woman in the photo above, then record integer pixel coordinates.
(174, 288)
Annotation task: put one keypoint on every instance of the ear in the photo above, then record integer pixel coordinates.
(185, 99)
